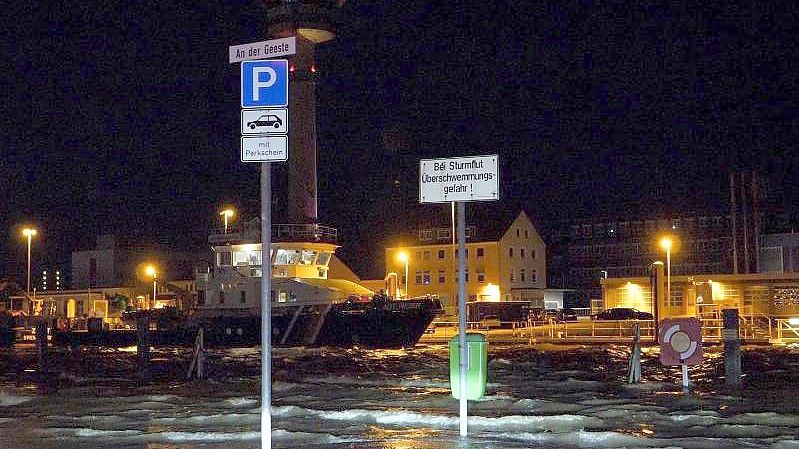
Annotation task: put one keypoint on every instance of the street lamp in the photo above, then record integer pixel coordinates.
(29, 233)
(403, 257)
(227, 213)
(150, 270)
(666, 243)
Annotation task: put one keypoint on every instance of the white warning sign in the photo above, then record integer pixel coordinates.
(471, 178)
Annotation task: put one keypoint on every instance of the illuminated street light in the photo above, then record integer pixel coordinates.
(666, 244)
(150, 270)
(402, 256)
(29, 233)
(227, 213)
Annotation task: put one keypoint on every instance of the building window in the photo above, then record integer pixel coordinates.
(418, 277)
(481, 276)
(517, 232)
(442, 254)
(426, 235)
(480, 252)
(521, 253)
(243, 298)
(426, 255)
(442, 276)
(522, 273)
(426, 277)
(532, 254)
(526, 234)
(510, 252)
(240, 258)
(465, 276)
(512, 277)
(533, 276)
(444, 234)
(222, 297)
(201, 297)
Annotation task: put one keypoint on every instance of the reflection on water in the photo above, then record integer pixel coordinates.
(546, 396)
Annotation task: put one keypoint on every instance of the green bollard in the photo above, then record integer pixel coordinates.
(476, 367)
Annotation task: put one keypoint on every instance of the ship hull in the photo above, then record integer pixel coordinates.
(379, 325)
(396, 324)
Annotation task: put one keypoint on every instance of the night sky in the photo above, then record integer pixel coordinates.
(122, 117)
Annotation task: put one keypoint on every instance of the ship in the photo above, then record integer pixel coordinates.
(308, 307)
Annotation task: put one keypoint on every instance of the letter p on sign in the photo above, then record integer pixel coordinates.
(264, 83)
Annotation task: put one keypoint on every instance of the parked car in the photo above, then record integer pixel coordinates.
(623, 313)
(568, 315)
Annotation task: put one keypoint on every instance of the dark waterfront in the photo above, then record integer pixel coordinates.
(548, 396)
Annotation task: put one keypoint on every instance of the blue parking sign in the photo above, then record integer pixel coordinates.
(265, 83)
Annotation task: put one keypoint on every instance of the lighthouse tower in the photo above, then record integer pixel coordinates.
(312, 23)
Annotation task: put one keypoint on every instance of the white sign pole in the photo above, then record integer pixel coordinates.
(266, 306)
(464, 353)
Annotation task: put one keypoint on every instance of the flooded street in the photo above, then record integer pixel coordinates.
(547, 396)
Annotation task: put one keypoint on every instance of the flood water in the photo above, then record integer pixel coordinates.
(544, 396)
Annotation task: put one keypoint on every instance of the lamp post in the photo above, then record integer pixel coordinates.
(403, 257)
(666, 243)
(227, 213)
(29, 233)
(150, 270)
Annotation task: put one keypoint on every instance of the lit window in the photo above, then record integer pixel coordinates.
(255, 258)
(225, 258)
(418, 278)
(481, 276)
(323, 259)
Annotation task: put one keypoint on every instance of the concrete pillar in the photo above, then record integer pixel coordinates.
(143, 339)
(732, 348)
(41, 345)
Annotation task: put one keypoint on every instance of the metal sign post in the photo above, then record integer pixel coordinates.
(266, 306)
(464, 353)
(264, 129)
(458, 180)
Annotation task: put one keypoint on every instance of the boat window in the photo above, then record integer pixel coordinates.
(292, 296)
(283, 257)
(222, 297)
(224, 258)
(294, 257)
(281, 296)
(255, 257)
(307, 257)
(240, 258)
(243, 298)
(273, 295)
(324, 259)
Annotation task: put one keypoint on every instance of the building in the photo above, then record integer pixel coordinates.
(705, 243)
(757, 296)
(509, 265)
(779, 253)
(111, 264)
(626, 248)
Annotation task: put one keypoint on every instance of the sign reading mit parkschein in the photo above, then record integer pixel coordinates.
(470, 178)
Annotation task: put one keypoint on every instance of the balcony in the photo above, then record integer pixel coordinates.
(250, 232)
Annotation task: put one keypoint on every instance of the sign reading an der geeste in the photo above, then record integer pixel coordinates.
(470, 178)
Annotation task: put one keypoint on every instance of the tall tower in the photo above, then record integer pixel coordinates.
(312, 23)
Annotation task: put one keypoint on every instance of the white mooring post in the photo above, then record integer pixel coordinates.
(266, 306)
(464, 352)
(635, 357)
